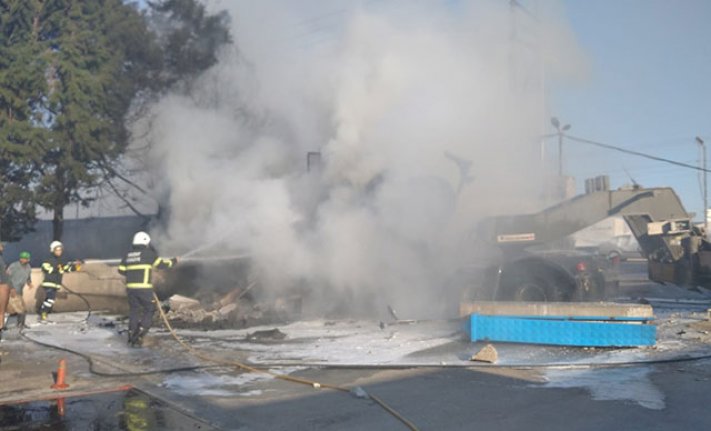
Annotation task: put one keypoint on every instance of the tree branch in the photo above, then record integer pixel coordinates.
(111, 171)
(125, 200)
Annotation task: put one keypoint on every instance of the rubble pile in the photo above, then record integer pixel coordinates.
(234, 310)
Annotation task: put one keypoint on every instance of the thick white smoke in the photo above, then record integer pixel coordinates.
(384, 91)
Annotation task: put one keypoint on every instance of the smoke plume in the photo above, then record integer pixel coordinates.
(427, 117)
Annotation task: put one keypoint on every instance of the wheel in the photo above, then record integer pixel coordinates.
(535, 289)
(535, 281)
(530, 291)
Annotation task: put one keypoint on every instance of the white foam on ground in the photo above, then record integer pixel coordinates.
(206, 384)
(611, 384)
(320, 342)
(324, 342)
(219, 385)
(341, 342)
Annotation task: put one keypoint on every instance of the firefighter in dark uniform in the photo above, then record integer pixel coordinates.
(54, 269)
(138, 266)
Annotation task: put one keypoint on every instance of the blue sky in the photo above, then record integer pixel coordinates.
(648, 89)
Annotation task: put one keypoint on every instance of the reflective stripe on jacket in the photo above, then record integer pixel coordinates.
(138, 267)
(53, 270)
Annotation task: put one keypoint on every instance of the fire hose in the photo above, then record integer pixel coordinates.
(359, 392)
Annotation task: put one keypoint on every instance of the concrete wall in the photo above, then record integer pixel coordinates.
(99, 283)
(91, 238)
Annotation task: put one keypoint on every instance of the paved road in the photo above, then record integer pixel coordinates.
(672, 397)
(665, 396)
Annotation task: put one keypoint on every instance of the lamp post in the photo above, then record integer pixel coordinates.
(560, 130)
(703, 165)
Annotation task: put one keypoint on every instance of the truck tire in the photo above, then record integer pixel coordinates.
(532, 282)
(530, 291)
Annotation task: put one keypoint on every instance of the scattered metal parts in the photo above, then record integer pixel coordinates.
(393, 313)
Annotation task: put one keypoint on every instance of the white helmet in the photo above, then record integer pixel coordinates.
(54, 245)
(141, 238)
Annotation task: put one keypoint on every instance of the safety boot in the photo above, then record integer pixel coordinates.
(140, 335)
(131, 339)
(136, 339)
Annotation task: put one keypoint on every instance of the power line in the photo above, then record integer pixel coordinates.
(641, 173)
(646, 166)
(634, 153)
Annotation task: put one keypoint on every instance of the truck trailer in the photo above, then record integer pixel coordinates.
(527, 269)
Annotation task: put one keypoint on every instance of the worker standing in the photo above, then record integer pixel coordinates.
(20, 274)
(4, 290)
(138, 266)
(54, 269)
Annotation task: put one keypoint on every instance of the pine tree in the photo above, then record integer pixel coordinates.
(90, 88)
(71, 71)
(22, 86)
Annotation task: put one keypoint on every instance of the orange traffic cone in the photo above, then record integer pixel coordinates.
(59, 382)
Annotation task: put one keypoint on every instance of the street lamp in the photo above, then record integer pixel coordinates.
(565, 128)
(703, 164)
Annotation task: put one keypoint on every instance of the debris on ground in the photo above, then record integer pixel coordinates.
(487, 354)
(359, 392)
(227, 309)
(700, 330)
(180, 303)
(238, 308)
(393, 313)
(269, 334)
(106, 324)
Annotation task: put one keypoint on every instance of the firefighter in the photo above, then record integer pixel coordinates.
(138, 267)
(53, 270)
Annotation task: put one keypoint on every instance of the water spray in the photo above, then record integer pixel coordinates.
(208, 245)
(180, 258)
(201, 248)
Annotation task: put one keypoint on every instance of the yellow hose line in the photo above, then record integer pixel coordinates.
(240, 365)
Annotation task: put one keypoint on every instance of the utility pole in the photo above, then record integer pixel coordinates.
(703, 165)
(560, 130)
